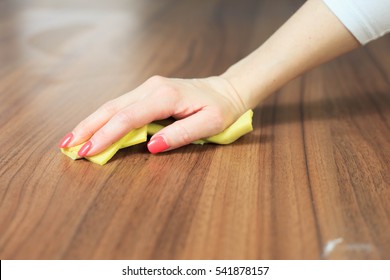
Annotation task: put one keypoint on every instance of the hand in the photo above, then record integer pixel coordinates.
(202, 107)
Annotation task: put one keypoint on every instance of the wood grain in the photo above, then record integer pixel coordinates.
(314, 172)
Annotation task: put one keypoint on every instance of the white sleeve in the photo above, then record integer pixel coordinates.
(365, 19)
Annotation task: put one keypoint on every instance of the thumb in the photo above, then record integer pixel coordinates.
(182, 132)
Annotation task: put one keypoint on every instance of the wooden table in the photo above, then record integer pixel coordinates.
(311, 182)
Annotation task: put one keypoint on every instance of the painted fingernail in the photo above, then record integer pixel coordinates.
(66, 140)
(85, 149)
(157, 145)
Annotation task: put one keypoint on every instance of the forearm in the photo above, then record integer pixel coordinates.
(312, 36)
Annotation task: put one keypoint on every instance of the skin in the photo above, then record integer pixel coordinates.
(205, 107)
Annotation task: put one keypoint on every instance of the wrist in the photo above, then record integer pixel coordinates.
(252, 83)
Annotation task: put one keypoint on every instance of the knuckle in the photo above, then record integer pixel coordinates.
(166, 90)
(103, 136)
(218, 121)
(182, 134)
(163, 87)
(84, 128)
(110, 107)
(156, 80)
(124, 117)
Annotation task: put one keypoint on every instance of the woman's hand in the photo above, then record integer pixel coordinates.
(202, 107)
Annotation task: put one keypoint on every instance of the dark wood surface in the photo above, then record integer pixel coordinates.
(311, 182)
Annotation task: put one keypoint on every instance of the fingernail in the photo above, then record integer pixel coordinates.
(85, 149)
(157, 145)
(66, 140)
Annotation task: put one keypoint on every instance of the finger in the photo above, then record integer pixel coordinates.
(200, 125)
(134, 116)
(85, 129)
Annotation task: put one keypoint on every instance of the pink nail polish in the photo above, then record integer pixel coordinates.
(157, 145)
(85, 149)
(66, 140)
